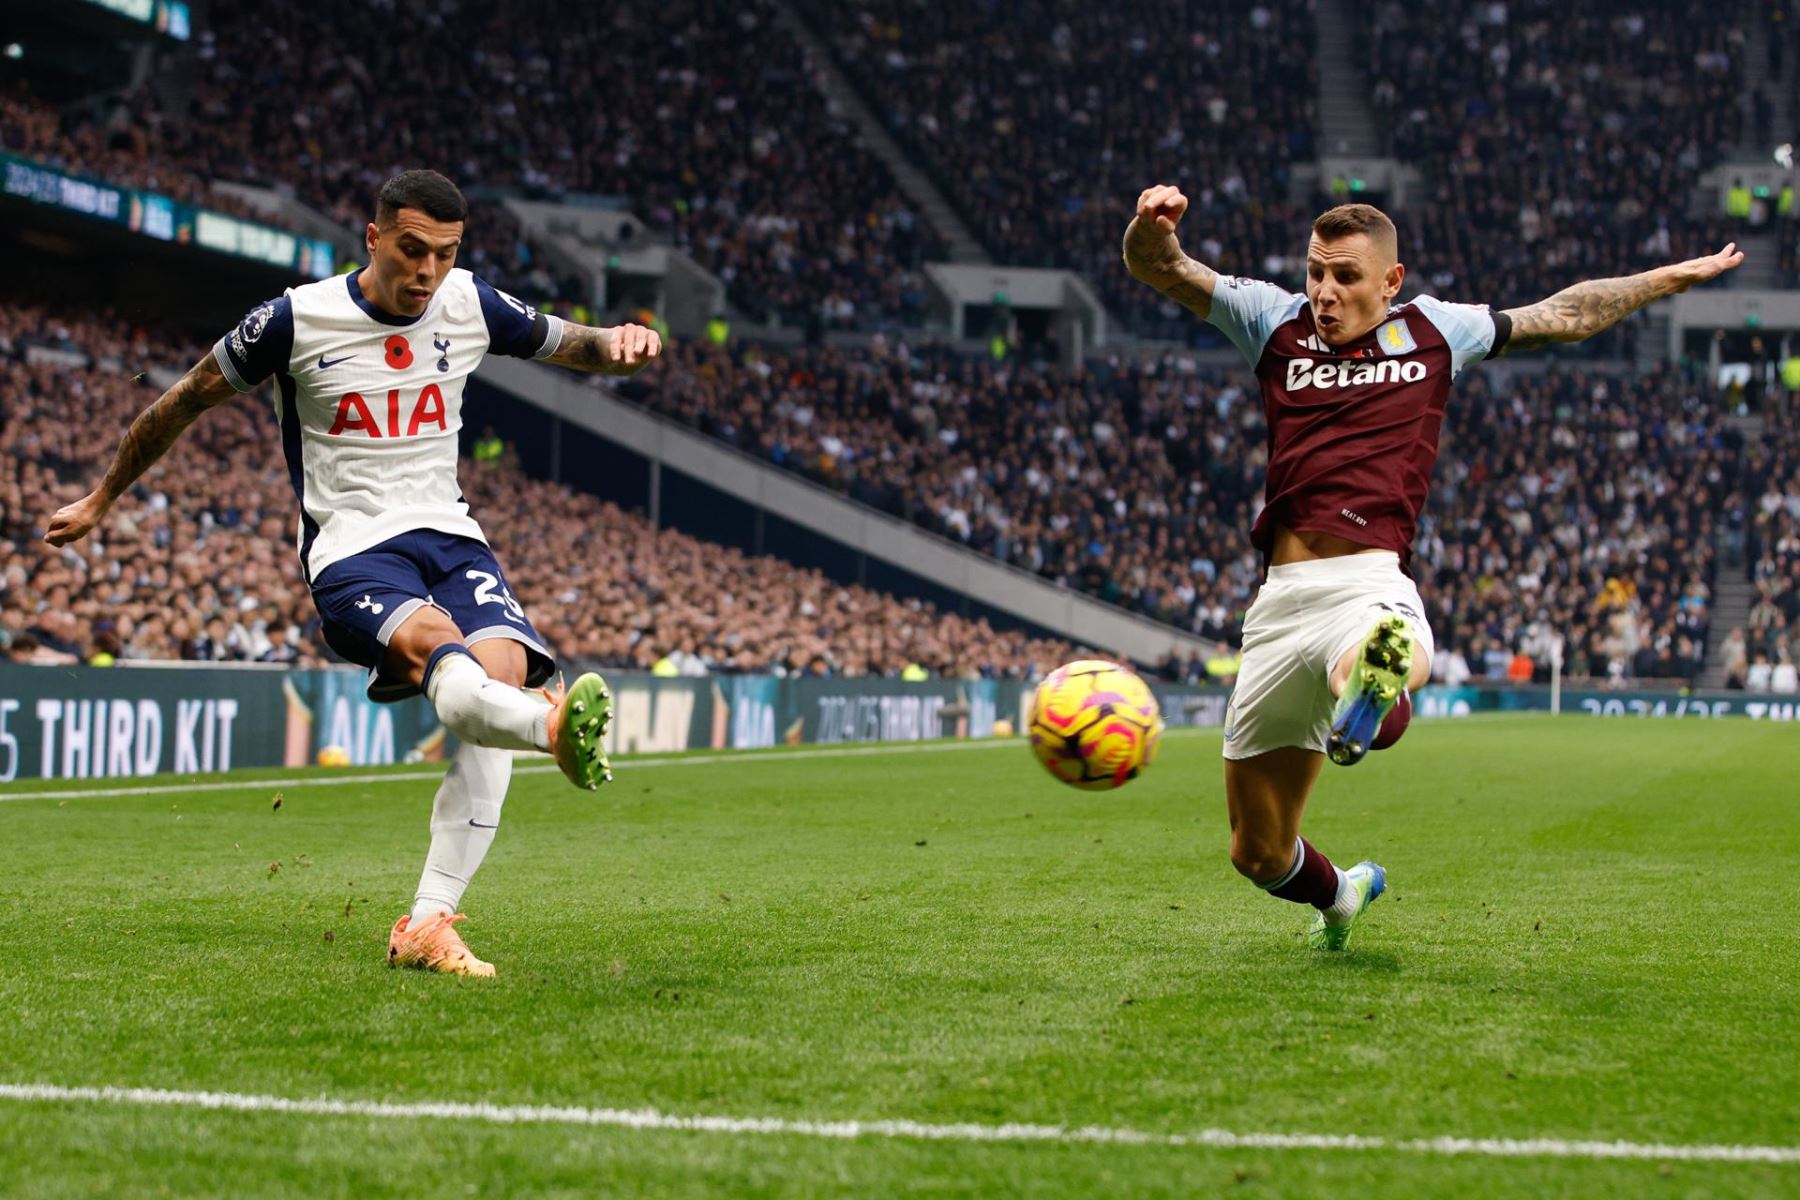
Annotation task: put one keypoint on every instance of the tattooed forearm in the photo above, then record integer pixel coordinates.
(1587, 308)
(615, 350)
(1157, 259)
(158, 426)
(583, 348)
(1192, 287)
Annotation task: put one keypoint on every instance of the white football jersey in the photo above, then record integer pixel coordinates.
(370, 404)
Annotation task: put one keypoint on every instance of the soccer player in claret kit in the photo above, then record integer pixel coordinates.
(369, 370)
(1353, 388)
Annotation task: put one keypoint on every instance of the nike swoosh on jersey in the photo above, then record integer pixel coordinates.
(324, 362)
(479, 825)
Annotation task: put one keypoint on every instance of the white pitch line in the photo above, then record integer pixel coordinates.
(651, 1119)
(624, 764)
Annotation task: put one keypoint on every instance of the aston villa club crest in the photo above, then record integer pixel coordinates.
(1395, 338)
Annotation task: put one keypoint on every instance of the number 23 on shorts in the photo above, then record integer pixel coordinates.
(489, 590)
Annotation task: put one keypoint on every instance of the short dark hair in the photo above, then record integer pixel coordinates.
(427, 191)
(1348, 219)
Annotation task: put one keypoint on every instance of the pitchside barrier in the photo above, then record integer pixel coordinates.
(104, 722)
(1467, 701)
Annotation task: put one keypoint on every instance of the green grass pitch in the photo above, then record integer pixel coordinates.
(1592, 932)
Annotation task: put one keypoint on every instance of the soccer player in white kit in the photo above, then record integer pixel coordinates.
(370, 369)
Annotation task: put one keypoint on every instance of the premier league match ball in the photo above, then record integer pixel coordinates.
(1095, 724)
(334, 756)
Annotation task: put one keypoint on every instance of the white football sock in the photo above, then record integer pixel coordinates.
(484, 711)
(463, 820)
(1343, 909)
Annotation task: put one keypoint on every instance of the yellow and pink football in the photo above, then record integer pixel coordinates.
(1095, 724)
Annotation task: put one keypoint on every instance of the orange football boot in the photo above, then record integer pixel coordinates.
(435, 946)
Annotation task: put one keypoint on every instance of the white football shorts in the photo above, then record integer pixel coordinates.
(1302, 621)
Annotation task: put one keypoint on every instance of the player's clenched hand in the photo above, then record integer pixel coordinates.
(1699, 270)
(1162, 206)
(72, 522)
(630, 348)
(1150, 245)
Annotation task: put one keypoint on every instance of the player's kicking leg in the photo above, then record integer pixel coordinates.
(570, 725)
(1266, 796)
(1373, 681)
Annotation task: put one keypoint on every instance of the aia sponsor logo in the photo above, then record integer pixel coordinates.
(426, 413)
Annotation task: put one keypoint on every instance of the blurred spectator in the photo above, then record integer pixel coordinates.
(1784, 680)
(1733, 658)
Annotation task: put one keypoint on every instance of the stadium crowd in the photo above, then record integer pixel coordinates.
(196, 562)
(1579, 506)
(1603, 119)
(110, 144)
(724, 146)
(1570, 503)
(1098, 102)
(1556, 143)
(1764, 655)
(1138, 484)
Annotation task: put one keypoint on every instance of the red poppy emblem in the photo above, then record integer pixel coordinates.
(399, 354)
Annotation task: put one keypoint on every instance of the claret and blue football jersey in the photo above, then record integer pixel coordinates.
(1353, 429)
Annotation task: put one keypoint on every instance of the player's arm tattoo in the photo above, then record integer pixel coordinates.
(617, 350)
(1157, 259)
(157, 427)
(583, 348)
(1585, 309)
(1191, 287)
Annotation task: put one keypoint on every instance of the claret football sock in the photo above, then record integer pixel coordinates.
(480, 709)
(1310, 880)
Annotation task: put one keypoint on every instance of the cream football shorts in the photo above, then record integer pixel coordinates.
(1302, 621)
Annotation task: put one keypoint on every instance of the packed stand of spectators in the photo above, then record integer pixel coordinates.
(639, 594)
(130, 151)
(497, 249)
(1557, 142)
(1565, 504)
(1042, 120)
(1763, 656)
(1136, 486)
(701, 114)
(194, 564)
(115, 146)
(197, 562)
(1583, 507)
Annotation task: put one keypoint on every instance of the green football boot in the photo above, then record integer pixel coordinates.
(576, 730)
(1370, 881)
(1376, 683)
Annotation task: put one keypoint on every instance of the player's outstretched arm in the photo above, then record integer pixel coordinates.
(614, 350)
(1154, 256)
(1585, 309)
(148, 439)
